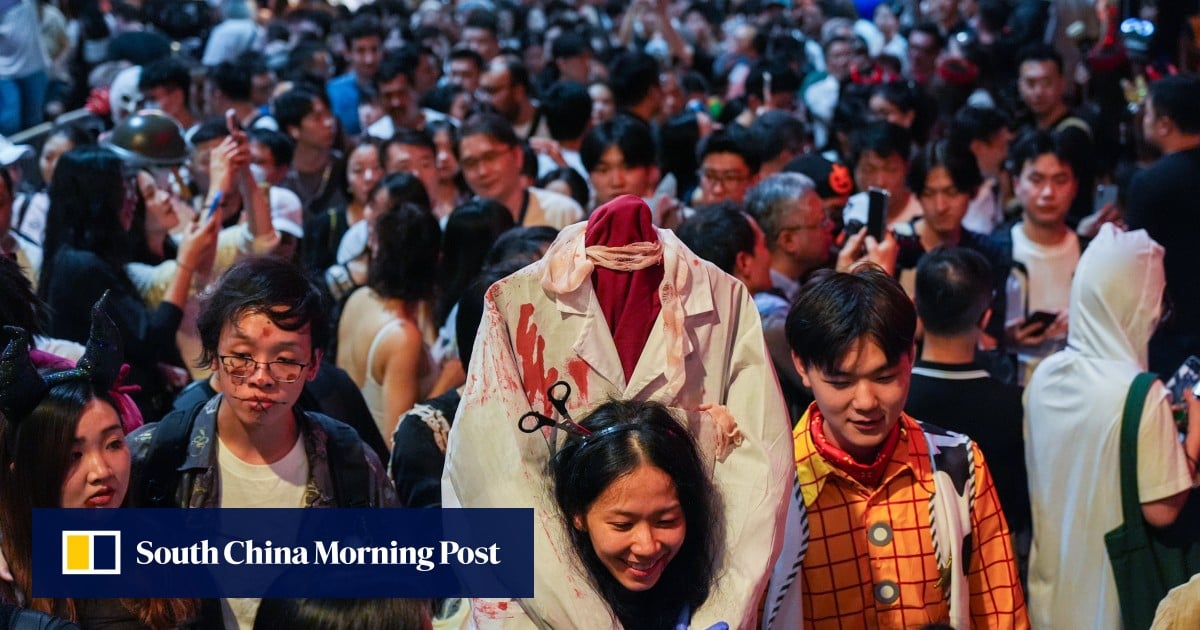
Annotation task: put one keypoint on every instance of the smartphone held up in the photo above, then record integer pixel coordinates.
(877, 204)
(1106, 195)
(1185, 378)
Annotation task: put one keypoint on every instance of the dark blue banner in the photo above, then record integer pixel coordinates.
(283, 553)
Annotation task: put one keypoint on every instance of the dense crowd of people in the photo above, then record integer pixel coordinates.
(828, 313)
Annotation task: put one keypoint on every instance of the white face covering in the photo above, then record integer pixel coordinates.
(124, 97)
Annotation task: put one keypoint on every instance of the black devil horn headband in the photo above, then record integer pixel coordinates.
(22, 387)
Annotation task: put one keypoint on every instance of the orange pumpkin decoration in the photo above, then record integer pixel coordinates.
(840, 180)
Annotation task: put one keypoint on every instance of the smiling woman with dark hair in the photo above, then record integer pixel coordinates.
(639, 512)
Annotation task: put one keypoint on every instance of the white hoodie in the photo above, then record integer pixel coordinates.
(1073, 408)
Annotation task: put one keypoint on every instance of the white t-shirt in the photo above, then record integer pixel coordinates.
(571, 157)
(1050, 269)
(1048, 285)
(277, 485)
(546, 163)
(243, 485)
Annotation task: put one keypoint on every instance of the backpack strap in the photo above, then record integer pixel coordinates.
(347, 462)
(168, 450)
(26, 202)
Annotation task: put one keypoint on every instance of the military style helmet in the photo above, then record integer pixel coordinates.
(149, 138)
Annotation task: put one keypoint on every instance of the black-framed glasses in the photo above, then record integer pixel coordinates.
(825, 224)
(724, 178)
(245, 367)
(473, 163)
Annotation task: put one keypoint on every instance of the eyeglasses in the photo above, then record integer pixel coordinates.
(244, 367)
(724, 178)
(825, 224)
(474, 162)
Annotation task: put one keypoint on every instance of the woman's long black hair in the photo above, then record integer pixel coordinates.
(87, 194)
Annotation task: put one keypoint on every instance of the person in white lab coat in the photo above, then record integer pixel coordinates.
(688, 336)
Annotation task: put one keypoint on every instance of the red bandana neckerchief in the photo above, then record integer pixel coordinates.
(867, 474)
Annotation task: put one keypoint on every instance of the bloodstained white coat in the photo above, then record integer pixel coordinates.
(531, 337)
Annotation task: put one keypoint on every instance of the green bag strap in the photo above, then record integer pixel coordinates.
(1131, 420)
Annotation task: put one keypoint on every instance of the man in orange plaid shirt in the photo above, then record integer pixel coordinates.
(895, 523)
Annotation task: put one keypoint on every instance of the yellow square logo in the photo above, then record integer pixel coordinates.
(91, 553)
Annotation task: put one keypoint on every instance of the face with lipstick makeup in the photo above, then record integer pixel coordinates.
(68, 452)
(98, 469)
(64, 447)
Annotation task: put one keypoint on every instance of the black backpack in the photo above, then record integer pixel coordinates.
(168, 450)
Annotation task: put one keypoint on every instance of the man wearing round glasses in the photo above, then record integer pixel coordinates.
(262, 329)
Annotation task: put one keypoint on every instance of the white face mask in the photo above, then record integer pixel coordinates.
(124, 97)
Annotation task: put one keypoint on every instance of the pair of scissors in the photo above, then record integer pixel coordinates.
(533, 421)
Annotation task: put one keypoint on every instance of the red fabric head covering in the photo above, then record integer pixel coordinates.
(629, 300)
